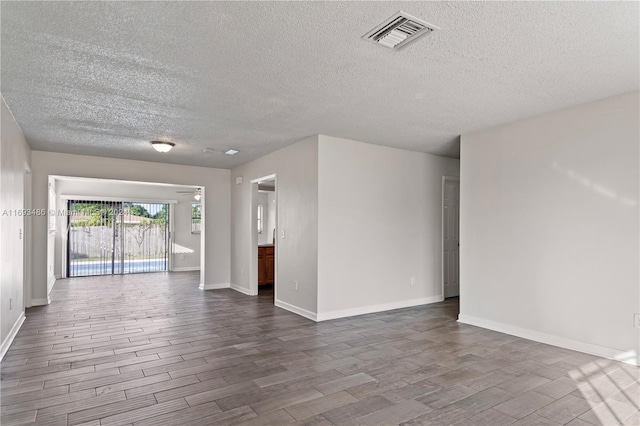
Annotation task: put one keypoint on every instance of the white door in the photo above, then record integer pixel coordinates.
(451, 238)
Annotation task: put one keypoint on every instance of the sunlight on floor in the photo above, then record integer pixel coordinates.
(611, 389)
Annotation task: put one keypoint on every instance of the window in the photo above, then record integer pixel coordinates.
(196, 217)
(260, 219)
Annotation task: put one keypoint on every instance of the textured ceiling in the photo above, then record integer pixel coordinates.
(105, 78)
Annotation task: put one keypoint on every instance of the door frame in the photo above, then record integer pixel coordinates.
(446, 179)
(64, 198)
(26, 237)
(253, 237)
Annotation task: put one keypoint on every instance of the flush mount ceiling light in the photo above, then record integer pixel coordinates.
(231, 152)
(162, 146)
(399, 30)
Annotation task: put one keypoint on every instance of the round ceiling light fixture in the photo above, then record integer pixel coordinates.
(162, 146)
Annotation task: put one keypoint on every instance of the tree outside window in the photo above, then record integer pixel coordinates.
(196, 218)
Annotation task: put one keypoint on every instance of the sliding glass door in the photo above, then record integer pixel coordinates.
(117, 237)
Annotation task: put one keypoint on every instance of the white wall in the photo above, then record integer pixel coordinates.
(549, 227)
(297, 198)
(216, 210)
(15, 157)
(184, 241)
(379, 224)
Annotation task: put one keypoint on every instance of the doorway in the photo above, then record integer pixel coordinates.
(450, 236)
(117, 237)
(182, 249)
(263, 238)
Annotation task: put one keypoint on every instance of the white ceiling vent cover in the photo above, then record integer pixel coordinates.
(399, 30)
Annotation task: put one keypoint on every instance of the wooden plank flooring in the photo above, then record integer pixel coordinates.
(152, 349)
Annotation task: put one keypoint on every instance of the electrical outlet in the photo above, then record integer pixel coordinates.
(181, 256)
(295, 285)
(636, 320)
(283, 235)
(10, 304)
(413, 280)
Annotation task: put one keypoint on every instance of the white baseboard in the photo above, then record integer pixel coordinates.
(12, 334)
(629, 357)
(58, 277)
(40, 302)
(241, 290)
(214, 286)
(343, 313)
(296, 310)
(186, 269)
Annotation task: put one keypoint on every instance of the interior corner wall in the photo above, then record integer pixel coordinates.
(15, 157)
(216, 209)
(549, 227)
(296, 167)
(379, 224)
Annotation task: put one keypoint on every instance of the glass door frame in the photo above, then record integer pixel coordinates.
(117, 214)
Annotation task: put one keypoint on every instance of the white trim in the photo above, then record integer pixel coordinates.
(203, 238)
(58, 276)
(324, 316)
(51, 195)
(242, 290)
(50, 284)
(64, 237)
(28, 230)
(40, 302)
(267, 177)
(67, 197)
(629, 357)
(214, 286)
(296, 310)
(170, 236)
(141, 182)
(186, 269)
(12, 334)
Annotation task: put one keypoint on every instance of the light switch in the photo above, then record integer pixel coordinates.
(283, 235)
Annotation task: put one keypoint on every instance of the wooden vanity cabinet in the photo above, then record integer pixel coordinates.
(266, 265)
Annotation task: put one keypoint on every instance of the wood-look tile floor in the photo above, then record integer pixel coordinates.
(153, 350)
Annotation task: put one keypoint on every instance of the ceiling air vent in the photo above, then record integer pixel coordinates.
(399, 30)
